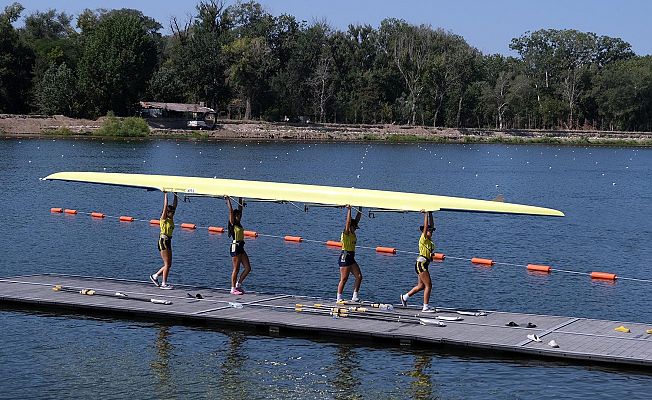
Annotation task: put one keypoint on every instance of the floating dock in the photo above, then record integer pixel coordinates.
(579, 339)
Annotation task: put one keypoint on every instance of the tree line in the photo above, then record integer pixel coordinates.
(248, 64)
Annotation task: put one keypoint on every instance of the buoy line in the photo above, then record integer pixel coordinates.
(438, 257)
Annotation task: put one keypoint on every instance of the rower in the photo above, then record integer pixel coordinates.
(166, 222)
(347, 262)
(237, 251)
(426, 248)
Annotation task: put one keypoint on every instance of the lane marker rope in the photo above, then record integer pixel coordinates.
(534, 268)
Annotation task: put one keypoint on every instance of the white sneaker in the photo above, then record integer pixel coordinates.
(428, 309)
(534, 337)
(165, 286)
(355, 299)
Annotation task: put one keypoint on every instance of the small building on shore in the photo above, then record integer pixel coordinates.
(177, 115)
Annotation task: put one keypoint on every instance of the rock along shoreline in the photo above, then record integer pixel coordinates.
(36, 126)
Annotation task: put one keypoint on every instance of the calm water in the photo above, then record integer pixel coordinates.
(606, 194)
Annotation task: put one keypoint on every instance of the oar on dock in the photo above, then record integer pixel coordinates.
(119, 295)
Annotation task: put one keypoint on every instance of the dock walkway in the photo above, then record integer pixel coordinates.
(588, 340)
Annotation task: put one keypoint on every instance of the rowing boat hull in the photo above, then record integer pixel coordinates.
(326, 195)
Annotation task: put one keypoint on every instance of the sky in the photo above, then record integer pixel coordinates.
(488, 25)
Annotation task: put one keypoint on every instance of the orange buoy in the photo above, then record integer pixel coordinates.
(603, 275)
(482, 261)
(154, 222)
(297, 239)
(56, 210)
(69, 211)
(439, 257)
(126, 218)
(216, 229)
(388, 250)
(251, 233)
(186, 225)
(97, 215)
(333, 243)
(539, 268)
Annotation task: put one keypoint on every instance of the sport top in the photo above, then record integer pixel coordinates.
(167, 226)
(238, 233)
(426, 246)
(348, 241)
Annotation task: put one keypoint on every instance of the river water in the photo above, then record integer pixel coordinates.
(605, 192)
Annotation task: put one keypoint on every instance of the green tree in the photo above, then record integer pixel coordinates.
(196, 61)
(54, 41)
(285, 74)
(408, 47)
(561, 64)
(249, 52)
(623, 92)
(119, 56)
(166, 85)
(16, 63)
(247, 70)
(56, 92)
(497, 86)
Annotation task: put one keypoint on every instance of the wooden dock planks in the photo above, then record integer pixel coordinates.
(578, 338)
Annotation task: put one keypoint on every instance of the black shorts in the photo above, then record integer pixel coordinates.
(347, 258)
(164, 243)
(237, 248)
(421, 266)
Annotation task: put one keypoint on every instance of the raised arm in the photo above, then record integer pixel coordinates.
(228, 204)
(426, 221)
(240, 204)
(164, 213)
(175, 201)
(358, 215)
(431, 220)
(347, 224)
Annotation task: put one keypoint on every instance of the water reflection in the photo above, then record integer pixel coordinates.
(421, 385)
(231, 382)
(161, 364)
(346, 382)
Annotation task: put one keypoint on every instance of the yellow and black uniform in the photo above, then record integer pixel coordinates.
(165, 238)
(347, 257)
(426, 247)
(237, 246)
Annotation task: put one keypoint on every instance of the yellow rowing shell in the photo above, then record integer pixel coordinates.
(311, 194)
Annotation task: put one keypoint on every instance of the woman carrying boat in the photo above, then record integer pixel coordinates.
(347, 262)
(426, 248)
(165, 242)
(238, 254)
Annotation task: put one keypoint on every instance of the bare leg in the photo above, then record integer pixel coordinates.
(416, 289)
(166, 255)
(344, 276)
(425, 278)
(355, 270)
(236, 269)
(246, 265)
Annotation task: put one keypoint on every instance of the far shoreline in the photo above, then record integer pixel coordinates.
(40, 127)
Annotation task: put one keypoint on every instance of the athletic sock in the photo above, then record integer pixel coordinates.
(425, 306)
(232, 288)
(238, 284)
(339, 297)
(155, 276)
(355, 294)
(406, 297)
